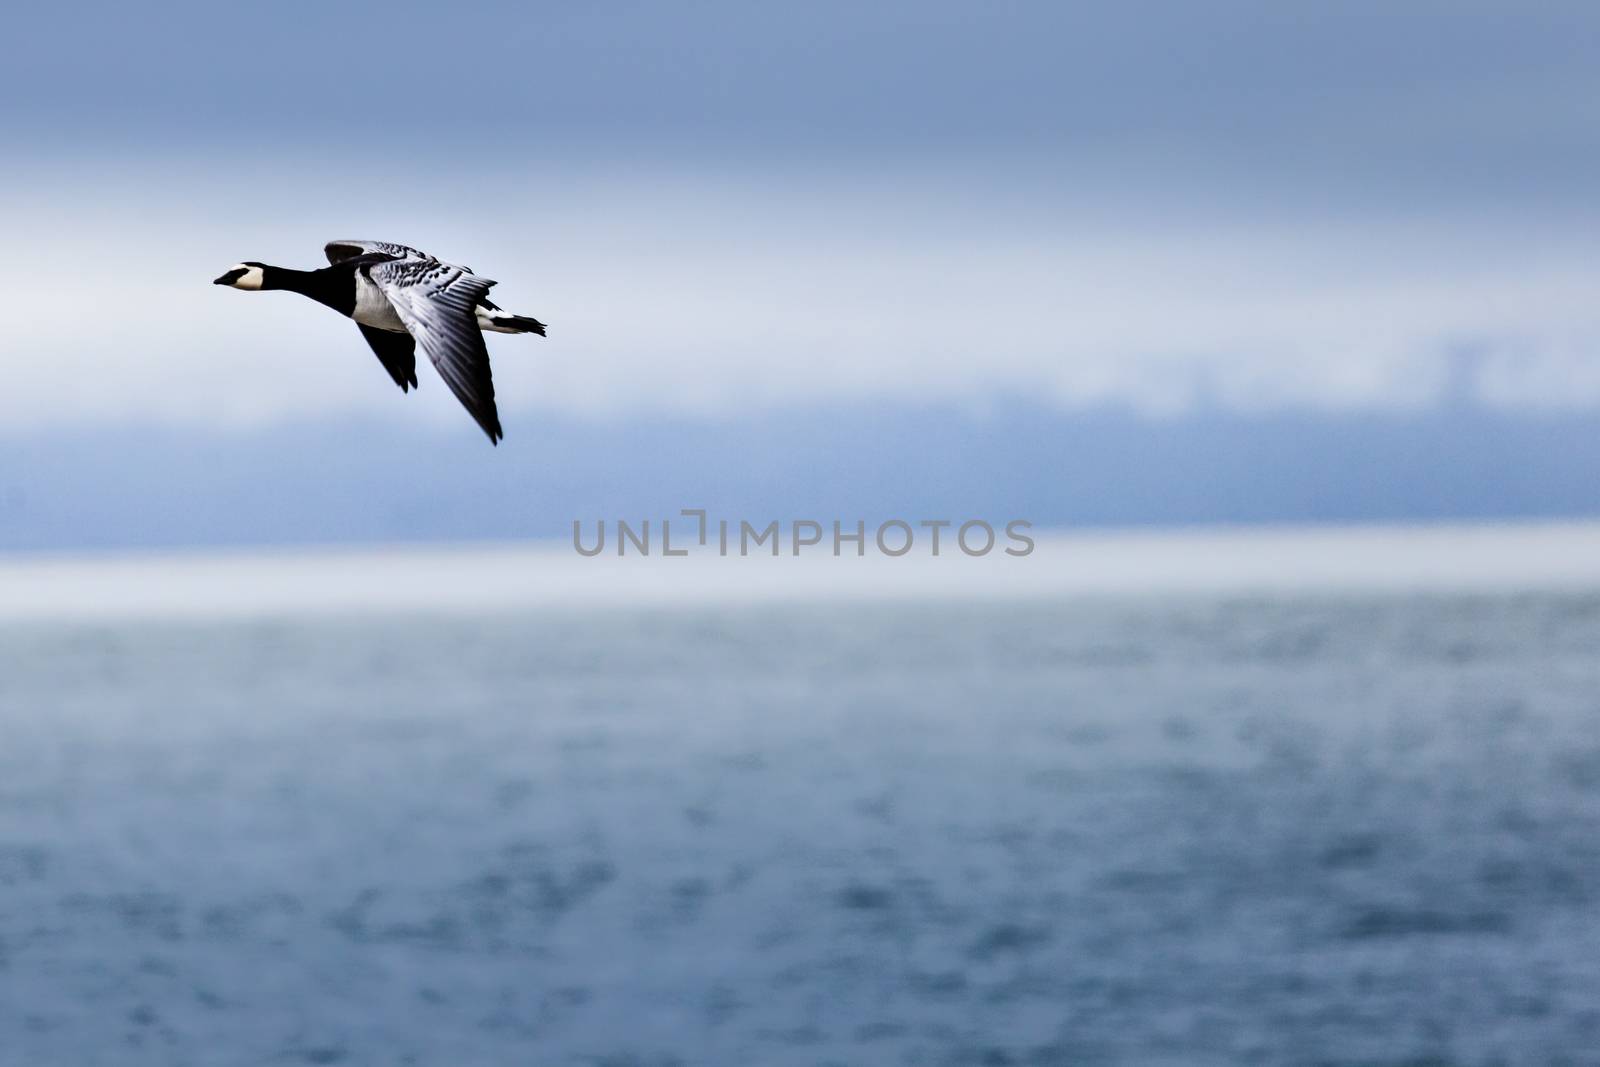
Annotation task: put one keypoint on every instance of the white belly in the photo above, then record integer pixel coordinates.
(373, 308)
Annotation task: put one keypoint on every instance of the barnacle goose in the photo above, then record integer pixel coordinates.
(400, 298)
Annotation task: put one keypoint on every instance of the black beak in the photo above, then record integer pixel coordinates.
(229, 278)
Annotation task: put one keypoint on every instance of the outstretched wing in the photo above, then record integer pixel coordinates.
(339, 251)
(438, 303)
(397, 352)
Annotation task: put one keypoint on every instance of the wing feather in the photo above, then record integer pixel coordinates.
(339, 251)
(438, 303)
(397, 352)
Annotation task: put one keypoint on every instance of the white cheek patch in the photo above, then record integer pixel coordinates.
(250, 279)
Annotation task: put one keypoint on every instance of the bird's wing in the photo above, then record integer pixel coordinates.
(437, 302)
(397, 352)
(339, 251)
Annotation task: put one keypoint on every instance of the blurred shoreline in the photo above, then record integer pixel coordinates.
(476, 578)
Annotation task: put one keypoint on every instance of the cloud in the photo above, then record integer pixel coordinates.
(711, 293)
(726, 207)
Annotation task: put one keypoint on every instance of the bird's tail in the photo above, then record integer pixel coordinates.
(492, 318)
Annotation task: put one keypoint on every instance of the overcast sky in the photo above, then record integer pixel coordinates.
(720, 207)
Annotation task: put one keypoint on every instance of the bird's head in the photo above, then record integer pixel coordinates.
(244, 276)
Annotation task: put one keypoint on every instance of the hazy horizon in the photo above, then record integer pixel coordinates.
(354, 480)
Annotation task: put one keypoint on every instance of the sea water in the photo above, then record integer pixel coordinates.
(1186, 829)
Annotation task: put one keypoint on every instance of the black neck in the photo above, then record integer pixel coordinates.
(326, 286)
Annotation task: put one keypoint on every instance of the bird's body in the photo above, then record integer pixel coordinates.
(401, 298)
(372, 308)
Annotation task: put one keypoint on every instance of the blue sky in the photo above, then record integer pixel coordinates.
(1181, 212)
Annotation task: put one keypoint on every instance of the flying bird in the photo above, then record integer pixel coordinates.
(402, 298)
